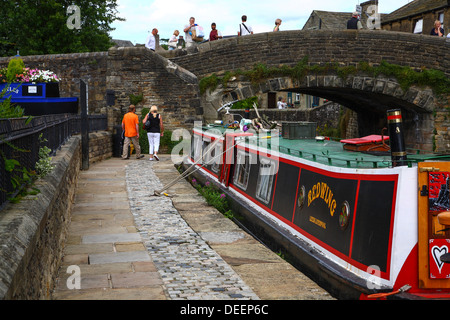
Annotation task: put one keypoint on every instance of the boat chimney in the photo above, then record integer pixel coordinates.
(397, 141)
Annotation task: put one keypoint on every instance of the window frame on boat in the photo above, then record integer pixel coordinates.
(265, 180)
(241, 165)
(215, 165)
(197, 148)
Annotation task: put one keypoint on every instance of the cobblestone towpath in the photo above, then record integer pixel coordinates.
(125, 243)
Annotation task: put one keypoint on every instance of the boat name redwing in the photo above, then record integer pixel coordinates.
(322, 191)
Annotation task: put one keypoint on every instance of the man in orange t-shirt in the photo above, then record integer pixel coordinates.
(130, 124)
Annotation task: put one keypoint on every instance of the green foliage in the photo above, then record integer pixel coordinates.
(135, 99)
(9, 110)
(245, 104)
(40, 27)
(44, 165)
(210, 83)
(3, 72)
(214, 197)
(328, 131)
(15, 67)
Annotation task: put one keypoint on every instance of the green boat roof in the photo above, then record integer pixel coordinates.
(330, 152)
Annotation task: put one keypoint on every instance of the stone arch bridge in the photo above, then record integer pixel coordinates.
(170, 79)
(370, 97)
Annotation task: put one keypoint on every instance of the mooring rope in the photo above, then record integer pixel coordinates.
(186, 173)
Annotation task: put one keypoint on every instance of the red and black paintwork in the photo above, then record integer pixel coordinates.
(341, 222)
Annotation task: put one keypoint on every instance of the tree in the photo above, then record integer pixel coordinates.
(40, 26)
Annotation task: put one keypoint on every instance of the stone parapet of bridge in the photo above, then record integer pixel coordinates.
(345, 47)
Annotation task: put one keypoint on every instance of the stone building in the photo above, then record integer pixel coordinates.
(418, 17)
(330, 20)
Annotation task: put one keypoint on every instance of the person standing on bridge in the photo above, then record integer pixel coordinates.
(188, 32)
(243, 28)
(354, 22)
(154, 132)
(214, 34)
(437, 30)
(130, 124)
(151, 40)
(277, 25)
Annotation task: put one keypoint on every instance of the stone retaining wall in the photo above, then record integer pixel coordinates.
(100, 146)
(33, 231)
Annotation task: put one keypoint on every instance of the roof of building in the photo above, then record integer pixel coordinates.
(415, 8)
(329, 19)
(122, 43)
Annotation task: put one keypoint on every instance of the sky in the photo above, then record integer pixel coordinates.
(168, 15)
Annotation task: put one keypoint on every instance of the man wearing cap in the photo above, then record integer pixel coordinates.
(354, 22)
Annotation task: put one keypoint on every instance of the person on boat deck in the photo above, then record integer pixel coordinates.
(130, 124)
(155, 132)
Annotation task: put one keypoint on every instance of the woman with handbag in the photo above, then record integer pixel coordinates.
(173, 41)
(155, 130)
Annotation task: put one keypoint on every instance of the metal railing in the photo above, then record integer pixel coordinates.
(20, 144)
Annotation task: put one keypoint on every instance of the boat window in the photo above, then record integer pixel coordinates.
(242, 169)
(205, 155)
(216, 158)
(267, 170)
(196, 148)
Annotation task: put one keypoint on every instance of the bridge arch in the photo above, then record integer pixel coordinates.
(369, 96)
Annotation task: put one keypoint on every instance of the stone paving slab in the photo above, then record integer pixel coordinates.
(104, 244)
(111, 238)
(102, 258)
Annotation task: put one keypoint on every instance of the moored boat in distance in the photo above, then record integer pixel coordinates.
(38, 99)
(361, 217)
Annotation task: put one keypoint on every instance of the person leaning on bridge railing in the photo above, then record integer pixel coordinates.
(277, 25)
(354, 22)
(437, 30)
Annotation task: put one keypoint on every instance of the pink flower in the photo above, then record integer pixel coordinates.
(222, 196)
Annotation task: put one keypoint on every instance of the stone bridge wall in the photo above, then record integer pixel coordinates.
(369, 96)
(346, 47)
(126, 71)
(172, 83)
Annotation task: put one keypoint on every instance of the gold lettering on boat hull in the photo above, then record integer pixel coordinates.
(318, 222)
(322, 191)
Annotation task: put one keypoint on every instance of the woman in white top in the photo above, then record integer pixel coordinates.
(173, 40)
